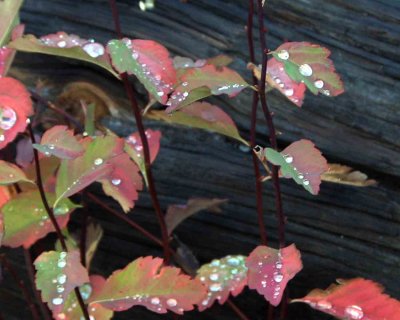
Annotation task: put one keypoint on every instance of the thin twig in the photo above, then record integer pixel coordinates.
(52, 217)
(21, 284)
(145, 144)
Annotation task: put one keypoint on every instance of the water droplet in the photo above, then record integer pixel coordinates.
(278, 277)
(324, 304)
(305, 70)
(172, 302)
(289, 92)
(289, 159)
(155, 300)
(354, 312)
(8, 118)
(98, 161)
(233, 262)
(51, 146)
(57, 301)
(205, 302)
(94, 49)
(326, 92)
(319, 84)
(135, 55)
(184, 84)
(283, 54)
(160, 93)
(116, 182)
(2, 137)
(61, 44)
(301, 176)
(61, 316)
(215, 287)
(214, 276)
(60, 288)
(61, 263)
(28, 121)
(60, 210)
(306, 182)
(278, 265)
(215, 263)
(61, 278)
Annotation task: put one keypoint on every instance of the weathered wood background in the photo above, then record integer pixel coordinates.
(343, 232)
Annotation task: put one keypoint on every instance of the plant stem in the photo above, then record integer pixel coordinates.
(21, 284)
(147, 234)
(270, 124)
(145, 144)
(31, 273)
(256, 166)
(53, 219)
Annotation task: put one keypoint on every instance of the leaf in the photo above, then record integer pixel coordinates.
(218, 61)
(31, 44)
(145, 282)
(218, 81)
(9, 11)
(222, 277)
(76, 174)
(72, 311)
(338, 173)
(354, 299)
(221, 60)
(309, 63)
(57, 274)
(202, 115)
(94, 233)
(26, 220)
(90, 117)
(15, 108)
(60, 142)
(124, 182)
(177, 213)
(270, 270)
(277, 78)
(134, 148)
(10, 173)
(302, 162)
(148, 60)
(6, 54)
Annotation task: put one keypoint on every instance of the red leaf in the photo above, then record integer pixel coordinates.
(145, 282)
(134, 146)
(270, 270)
(308, 161)
(222, 277)
(15, 108)
(124, 182)
(354, 299)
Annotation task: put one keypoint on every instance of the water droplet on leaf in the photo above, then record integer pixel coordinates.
(354, 312)
(319, 84)
(57, 301)
(283, 54)
(305, 70)
(8, 118)
(98, 161)
(172, 302)
(278, 277)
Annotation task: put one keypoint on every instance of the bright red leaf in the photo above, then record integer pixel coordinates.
(146, 282)
(15, 108)
(222, 277)
(57, 274)
(354, 299)
(270, 270)
(148, 60)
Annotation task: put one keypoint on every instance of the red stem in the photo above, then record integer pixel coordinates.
(53, 220)
(270, 124)
(145, 144)
(21, 284)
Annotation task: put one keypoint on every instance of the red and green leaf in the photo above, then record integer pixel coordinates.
(202, 115)
(15, 108)
(210, 80)
(354, 299)
(269, 270)
(178, 213)
(149, 61)
(26, 220)
(222, 277)
(60, 142)
(6, 54)
(10, 173)
(147, 283)
(9, 17)
(309, 63)
(302, 162)
(218, 61)
(58, 274)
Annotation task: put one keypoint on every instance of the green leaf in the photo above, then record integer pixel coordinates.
(30, 43)
(58, 273)
(10, 173)
(145, 282)
(9, 12)
(309, 63)
(201, 115)
(26, 220)
(90, 112)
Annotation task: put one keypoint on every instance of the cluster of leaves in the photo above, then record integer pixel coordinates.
(73, 161)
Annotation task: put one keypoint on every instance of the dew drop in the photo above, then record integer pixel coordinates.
(61, 278)
(354, 312)
(94, 49)
(116, 182)
(61, 263)
(215, 287)
(63, 254)
(98, 161)
(2, 137)
(278, 277)
(61, 316)
(324, 304)
(135, 55)
(306, 182)
(289, 159)
(172, 302)
(215, 263)
(326, 92)
(278, 265)
(205, 302)
(283, 54)
(319, 84)
(160, 93)
(289, 92)
(8, 118)
(57, 301)
(214, 276)
(60, 288)
(184, 84)
(305, 70)
(155, 300)
(61, 44)
(301, 176)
